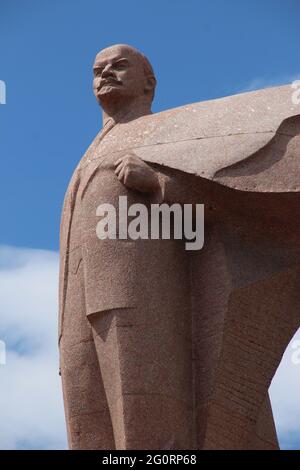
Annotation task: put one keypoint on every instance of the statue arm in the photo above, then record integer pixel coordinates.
(166, 185)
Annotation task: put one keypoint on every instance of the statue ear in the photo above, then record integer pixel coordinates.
(150, 84)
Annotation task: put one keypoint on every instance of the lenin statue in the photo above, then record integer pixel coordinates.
(163, 347)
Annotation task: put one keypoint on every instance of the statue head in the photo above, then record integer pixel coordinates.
(121, 75)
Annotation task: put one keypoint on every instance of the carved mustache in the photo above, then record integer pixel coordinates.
(107, 81)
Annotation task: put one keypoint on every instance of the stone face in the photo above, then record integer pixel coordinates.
(163, 348)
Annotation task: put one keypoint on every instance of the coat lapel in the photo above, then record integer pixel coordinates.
(67, 215)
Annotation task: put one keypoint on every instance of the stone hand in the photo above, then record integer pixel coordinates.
(134, 173)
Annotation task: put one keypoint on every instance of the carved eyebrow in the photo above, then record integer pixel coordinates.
(120, 60)
(100, 65)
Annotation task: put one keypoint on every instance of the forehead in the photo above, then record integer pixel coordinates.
(113, 54)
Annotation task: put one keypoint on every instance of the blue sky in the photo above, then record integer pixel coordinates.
(200, 50)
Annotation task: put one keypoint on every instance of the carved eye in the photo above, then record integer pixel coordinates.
(120, 66)
(98, 72)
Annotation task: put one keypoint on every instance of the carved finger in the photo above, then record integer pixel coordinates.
(120, 160)
(121, 175)
(119, 167)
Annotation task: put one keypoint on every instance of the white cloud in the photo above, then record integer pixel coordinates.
(31, 407)
(30, 392)
(267, 82)
(285, 393)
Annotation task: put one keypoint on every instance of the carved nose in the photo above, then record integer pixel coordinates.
(107, 72)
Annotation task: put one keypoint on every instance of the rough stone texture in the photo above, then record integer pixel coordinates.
(163, 348)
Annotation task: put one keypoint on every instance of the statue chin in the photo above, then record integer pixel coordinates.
(109, 94)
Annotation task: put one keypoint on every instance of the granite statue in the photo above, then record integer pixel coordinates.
(163, 348)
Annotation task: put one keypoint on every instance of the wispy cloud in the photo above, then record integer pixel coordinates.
(30, 393)
(267, 82)
(285, 393)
